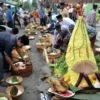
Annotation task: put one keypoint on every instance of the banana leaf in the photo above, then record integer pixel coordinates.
(74, 89)
(14, 79)
(84, 96)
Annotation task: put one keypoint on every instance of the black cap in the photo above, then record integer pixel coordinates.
(59, 16)
(62, 4)
(95, 6)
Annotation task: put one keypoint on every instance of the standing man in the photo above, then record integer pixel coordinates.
(63, 10)
(9, 17)
(42, 16)
(70, 11)
(21, 15)
(91, 19)
(1, 13)
(35, 15)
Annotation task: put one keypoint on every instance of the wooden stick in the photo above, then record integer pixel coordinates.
(46, 56)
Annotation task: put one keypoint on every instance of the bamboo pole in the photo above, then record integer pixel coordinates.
(46, 56)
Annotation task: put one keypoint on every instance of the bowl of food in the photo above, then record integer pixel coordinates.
(53, 53)
(41, 45)
(14, 80)
(15, 91)
(5, 97)
(20, 65)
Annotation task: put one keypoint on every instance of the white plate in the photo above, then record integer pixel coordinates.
(27, 47)
(31, 37)
(96, 85)
(72, 94)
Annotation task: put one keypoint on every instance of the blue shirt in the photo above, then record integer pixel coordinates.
(9, 15)
(7, 42)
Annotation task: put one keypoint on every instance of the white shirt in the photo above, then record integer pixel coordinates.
(21, 12)
(67, 22)
(70, 10)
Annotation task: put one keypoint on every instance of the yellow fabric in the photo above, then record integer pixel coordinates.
(98, 17)
(78, 46)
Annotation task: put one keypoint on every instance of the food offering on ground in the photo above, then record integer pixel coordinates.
(14, 80)
(16, 57)
(56, 85)
(5, 97)
(45, 38)
(41, 45)
(20, 65)
(53, 54)
(31, 37)
(15, 91)
(60, 68)
(25, 69)
(29, 28)
(59, 88)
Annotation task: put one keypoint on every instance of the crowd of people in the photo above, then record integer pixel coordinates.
(60, 26)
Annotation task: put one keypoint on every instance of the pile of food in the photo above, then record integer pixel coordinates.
(20, 65)
(78, 70)
(25, 53)
(15, 91)
(44, 38)
(29, 29)
(41, 45)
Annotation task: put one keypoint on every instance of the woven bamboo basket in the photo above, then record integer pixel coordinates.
(51, 59)
(15, 97)
(53, 56)
(26, 72)
(44, 38)
(40, 46)
(8, 80)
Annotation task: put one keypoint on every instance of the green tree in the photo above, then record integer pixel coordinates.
(34, 4)
(18, 2)
(26, 5)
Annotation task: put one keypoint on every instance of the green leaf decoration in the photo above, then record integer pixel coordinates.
(14, 79)
(74, 89)
(23, 54)
(84, 96)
